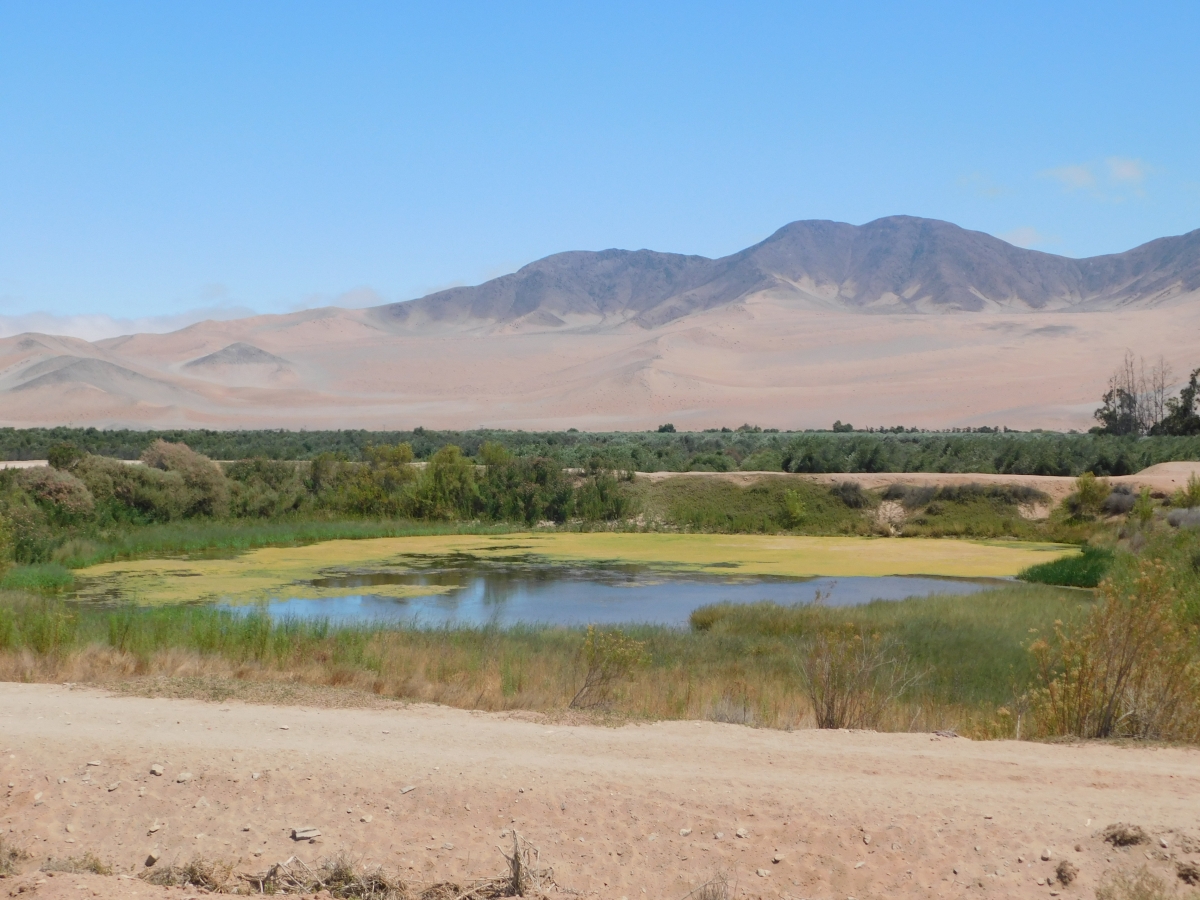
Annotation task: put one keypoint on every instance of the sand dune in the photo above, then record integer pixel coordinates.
(899, 322)
(760, 361)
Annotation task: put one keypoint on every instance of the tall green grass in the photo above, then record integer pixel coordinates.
(228, 537)
(741, 658)
(1086, 570)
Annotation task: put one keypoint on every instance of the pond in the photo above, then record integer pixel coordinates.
(466, 590)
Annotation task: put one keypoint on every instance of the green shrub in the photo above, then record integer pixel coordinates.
(1086, 570)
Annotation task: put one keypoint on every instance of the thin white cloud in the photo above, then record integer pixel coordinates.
(1073, 178)
(1026, 236)
(1127, 171)
(981, 184)
(97, 326)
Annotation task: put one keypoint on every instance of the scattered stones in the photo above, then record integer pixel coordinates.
(684, 832)
(183, 778)
(763, 873)
(306, 833)
(156, 769)
(742, 833)
(1047, 855)
(1066, 872)
(1121, 835)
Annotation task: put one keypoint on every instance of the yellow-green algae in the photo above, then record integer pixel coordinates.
(289, 571)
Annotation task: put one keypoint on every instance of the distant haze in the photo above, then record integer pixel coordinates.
(900, 321)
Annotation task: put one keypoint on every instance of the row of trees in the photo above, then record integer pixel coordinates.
(80, 493)
(1139, 402)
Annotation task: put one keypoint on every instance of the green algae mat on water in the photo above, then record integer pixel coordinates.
(277, 572)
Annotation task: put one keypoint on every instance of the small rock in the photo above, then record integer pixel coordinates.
(1020, 859)
(718, 835)
(62, 781)
(977, 848)
(1079, 848)
(70, 829)
(37, 796)
(112, 787)
(94, 762)
(742, 833)
(156, 769)
(987, 817)
(684, 832)
(1162, 842)
(283, 728)
(405, 790)
(306, 833)
(777, 858)
(763, 873)
(859, 864)
(867, 839)
(202, 803)
(153, 828)
(447, 846)
(255, 775)
(366, 819)
(1047, 854)
(152, 857)
(183, 778)
(245, 828)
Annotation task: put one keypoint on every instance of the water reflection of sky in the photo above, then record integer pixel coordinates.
(563, 595)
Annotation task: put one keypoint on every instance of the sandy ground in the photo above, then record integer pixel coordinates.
(763, 360)
(1163, 479)
(824, 814)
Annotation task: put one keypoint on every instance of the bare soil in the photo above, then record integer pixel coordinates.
(823, 814)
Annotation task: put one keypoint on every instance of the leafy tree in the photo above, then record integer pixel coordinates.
(1182, 417)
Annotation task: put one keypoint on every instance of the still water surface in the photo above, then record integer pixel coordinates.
(475, 592)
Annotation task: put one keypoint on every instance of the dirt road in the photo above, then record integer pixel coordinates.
(633, 811)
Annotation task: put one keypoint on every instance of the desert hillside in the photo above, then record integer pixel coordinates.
(900, 321)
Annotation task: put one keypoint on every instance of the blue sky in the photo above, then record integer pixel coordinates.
(162, 158)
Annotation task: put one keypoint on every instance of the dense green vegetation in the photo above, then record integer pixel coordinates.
(1085, 570)
(747, 449)
(737, 663)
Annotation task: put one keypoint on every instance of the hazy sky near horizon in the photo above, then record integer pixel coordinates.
(162, 161)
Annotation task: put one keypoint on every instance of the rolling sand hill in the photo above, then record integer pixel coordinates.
(900, 321)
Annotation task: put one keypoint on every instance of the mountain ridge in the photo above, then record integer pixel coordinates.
(894, 264)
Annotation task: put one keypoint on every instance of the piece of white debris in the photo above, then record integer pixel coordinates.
(94, 762)
(307, 833)
(366, 819)
(684, 832)
(112, 787)
(1047, 854)
(763, 873)
(405, 790)
(859, 864)
(742, 833)
(183, 778)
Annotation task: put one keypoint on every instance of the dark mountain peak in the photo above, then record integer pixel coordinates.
(238, 354)
(892, 264)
